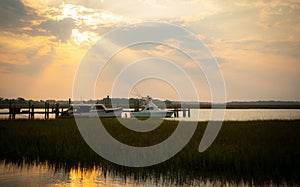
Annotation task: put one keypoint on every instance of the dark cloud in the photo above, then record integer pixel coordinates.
(14, 14)
(62, 29)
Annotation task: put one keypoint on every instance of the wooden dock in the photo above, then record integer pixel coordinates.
(46, 109)
(32, 109)
(186, 112)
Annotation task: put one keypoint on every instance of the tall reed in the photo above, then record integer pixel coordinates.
(252, 152)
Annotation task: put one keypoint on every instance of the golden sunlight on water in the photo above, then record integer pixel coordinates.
(86, 178)
(45, 175)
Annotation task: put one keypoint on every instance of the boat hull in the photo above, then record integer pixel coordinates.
(99, 114)
(152, 114)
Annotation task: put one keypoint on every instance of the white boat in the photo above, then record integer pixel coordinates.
(150, 110)
(92, 111)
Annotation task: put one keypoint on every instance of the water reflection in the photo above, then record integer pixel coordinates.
(29, 175)
(45, 175)
(245, 114)
(92, 177)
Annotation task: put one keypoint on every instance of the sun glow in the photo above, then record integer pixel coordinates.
(84, 39)
(86, 20)
(89, 17)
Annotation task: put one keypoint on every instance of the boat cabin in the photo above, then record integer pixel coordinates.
(150, 106)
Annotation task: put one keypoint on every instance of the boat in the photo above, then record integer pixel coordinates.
(91, 111)
(150, 110)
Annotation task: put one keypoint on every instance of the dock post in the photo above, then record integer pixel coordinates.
(184, 112)
(32, 111)
(29, 110)
(176, 112)
(56, 110)
(13, 113)
(45, 109)
(136, 105)
(10, 109)
(189, 112)
(48, 109)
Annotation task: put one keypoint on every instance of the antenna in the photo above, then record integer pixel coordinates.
(136, 92)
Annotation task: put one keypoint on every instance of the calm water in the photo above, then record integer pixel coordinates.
(43, 175)
(241, 114)
(246, 114)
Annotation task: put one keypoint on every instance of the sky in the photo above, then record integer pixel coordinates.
(256, 44)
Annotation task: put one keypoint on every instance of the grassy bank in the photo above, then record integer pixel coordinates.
(257, 152)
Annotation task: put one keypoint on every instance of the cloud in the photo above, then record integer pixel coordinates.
(259, 69)
(15, 15)
(17, 18)
(61, 29)
(25, 54)
(163, 9)
(6, 67)
(288, 49)
(11, 13)
(36, 66)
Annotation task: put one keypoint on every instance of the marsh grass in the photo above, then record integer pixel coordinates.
(251, 152)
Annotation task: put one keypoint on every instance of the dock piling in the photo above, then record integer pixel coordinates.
(185, 112)
(56, 110)
(29, 110)
(47, 106)
(32, 111)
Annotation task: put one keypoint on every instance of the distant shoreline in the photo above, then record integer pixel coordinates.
(132, 102)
